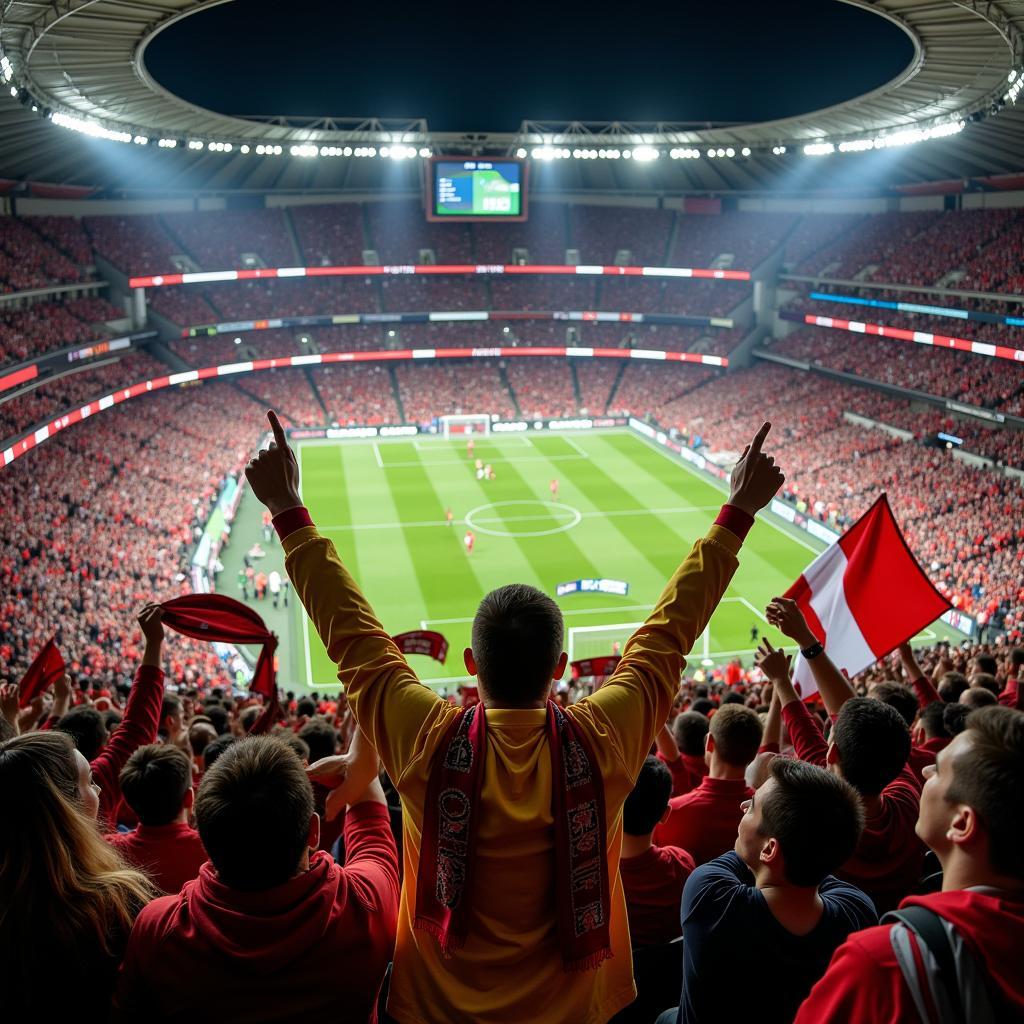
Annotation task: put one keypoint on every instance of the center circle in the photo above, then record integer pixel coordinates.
(553, 508)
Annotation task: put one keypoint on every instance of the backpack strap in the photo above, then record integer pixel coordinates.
(928, 928)
(958, 985)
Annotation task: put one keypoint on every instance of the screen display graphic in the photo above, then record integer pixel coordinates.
(472, 189)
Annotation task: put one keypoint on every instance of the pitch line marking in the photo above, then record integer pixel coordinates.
(597, 514)
(714, 483)
(760, 615)
(572, 444)
(576, 514)
(376, 452)
(496, 460)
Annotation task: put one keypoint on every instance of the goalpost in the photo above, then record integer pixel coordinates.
(600, 641)
(471, 425)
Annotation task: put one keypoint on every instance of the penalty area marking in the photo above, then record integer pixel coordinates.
(575, 514)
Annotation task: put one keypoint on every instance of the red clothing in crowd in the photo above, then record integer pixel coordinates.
(654, 882)
(314, 948)
(704, 821)
(924, 755)
(687, 771)
(137, 729)
(1012, 695)
(864, 981)
(889, 858)
(170, 854)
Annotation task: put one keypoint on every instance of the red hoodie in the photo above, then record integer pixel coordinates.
(314, 948)
(864, 981)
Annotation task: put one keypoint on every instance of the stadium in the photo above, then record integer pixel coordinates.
(507, 351)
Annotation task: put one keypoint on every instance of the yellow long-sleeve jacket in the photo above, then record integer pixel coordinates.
(510, 969)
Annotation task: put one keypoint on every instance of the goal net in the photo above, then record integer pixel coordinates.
(599, 641)
(477, 425)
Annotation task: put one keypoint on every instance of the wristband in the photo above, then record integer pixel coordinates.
(813, 651)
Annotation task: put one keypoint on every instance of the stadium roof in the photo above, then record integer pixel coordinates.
(82, 62)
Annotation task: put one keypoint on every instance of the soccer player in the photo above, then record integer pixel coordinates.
(554, 489)
(448, 515)
(470, 447)
(753, 634)
(488, 472)
(469, 540)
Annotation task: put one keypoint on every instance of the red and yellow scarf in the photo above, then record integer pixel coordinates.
(444, 880)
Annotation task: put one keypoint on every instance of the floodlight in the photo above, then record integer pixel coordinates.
(745, 151)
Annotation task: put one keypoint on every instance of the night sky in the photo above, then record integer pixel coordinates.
(634, 61)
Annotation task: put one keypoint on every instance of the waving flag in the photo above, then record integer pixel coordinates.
(46, 668)
(423, 641)
(864, 596)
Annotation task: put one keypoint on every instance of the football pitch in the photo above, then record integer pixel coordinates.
(626, 510)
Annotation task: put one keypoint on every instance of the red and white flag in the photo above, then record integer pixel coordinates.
(864, 596)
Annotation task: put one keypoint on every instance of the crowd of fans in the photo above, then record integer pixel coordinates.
(621, 850)
(41, 327)
(978, 380)
(28, 261)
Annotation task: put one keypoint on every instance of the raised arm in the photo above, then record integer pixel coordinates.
(784, 614)
(141, 715)
(804, 728)
(388, 701)
(923, 686)
(634, 703)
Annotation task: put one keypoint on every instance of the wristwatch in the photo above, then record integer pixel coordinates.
(813, 651)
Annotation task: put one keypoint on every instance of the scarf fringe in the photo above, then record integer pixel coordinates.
(588, 963)
(450, 944)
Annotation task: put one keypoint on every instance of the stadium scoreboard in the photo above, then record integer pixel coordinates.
(470, 189)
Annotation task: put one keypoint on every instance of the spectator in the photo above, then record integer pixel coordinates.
(770, 909)
(138, 728)
(972, 817)
(67, 902)
(653, 876)
(682, 749)
(869, 747)
(257, 934)
(519, 935)
(704, 821)
(157, 785)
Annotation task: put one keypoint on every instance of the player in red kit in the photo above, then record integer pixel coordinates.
(470, 446)
(448, 516)
(554, 489)
(469, 540)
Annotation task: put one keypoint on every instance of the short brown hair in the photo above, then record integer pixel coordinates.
(253, 812)
(737, 732)
(989, 778)
(816, 818)
(517, 641)
(154, 782)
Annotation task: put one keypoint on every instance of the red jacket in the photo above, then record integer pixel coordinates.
(889, 858)
(170, 854)
(705, 820)
(314, 948)
(138, 727)
(864, 981)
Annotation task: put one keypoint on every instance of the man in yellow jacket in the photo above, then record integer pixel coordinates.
(512, 909)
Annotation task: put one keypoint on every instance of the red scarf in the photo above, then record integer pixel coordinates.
(46, 668)
(445, 876)
(218, 617)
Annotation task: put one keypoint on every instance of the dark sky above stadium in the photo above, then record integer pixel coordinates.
(486, 66)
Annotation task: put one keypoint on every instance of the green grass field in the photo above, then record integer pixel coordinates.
(626, 510)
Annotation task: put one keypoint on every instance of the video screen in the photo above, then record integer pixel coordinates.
(473, 189)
